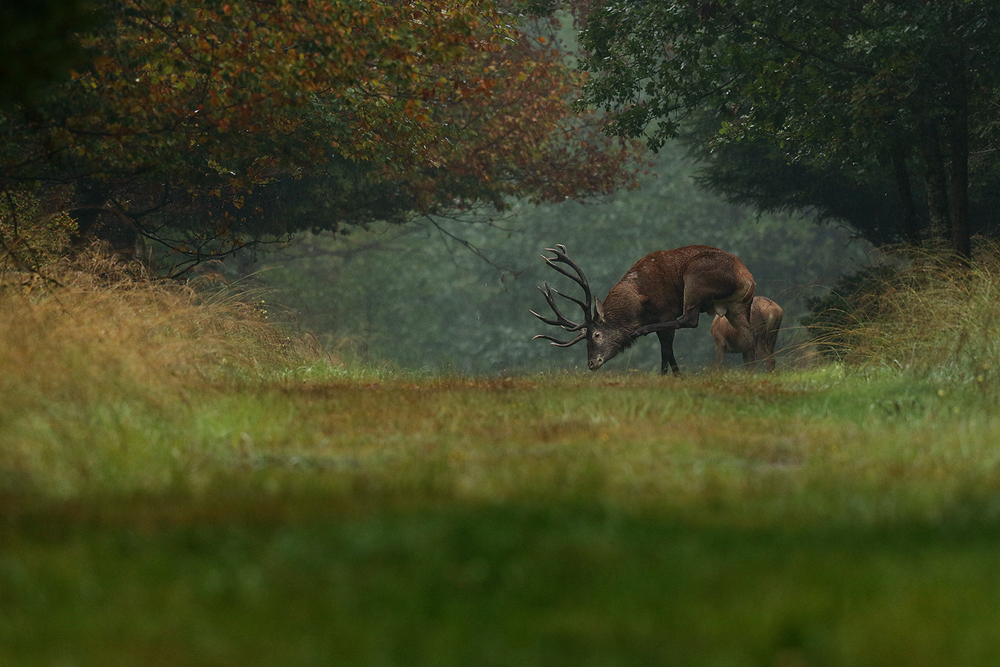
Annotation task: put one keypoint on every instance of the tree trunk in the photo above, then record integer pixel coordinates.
(907, 212)
(936, 181)
(959, 135)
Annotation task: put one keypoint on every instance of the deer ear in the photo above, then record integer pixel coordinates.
(598, 309)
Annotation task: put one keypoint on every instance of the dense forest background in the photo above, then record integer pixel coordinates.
(418, 297)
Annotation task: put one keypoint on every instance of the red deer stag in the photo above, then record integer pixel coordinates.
(765, 320)
(665, 291)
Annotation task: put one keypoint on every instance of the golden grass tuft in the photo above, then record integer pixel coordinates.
(99, 319)
(931, 311)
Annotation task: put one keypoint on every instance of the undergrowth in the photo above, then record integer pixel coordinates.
(105, 317)
(926, 312)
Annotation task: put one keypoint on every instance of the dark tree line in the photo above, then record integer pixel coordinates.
(882, 115)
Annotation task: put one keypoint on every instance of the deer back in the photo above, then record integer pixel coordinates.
(660, 286)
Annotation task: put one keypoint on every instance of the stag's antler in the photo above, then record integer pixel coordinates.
(561, 320)
(561, 257)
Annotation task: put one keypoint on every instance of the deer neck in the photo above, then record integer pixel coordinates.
(623, 305)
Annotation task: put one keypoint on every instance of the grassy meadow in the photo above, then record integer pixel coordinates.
(183, 483)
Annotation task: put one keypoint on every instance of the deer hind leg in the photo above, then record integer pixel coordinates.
(719, 331)
(771, 340)
(745, 336)
(667, 360)
(738, 315)
(769, 361)
(765, 348)
(720, 354)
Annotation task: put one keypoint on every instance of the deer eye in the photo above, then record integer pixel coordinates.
(597, 335)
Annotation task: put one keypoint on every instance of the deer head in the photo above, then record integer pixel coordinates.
(604, 338)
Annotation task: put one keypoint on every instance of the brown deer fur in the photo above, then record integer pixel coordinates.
(664, 291)
(765, 320)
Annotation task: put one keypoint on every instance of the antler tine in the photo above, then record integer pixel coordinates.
(562, 343)
(570, 298)
(562, 320)
(562, 257)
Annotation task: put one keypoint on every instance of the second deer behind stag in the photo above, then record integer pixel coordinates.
(765, 320)
(664, 291)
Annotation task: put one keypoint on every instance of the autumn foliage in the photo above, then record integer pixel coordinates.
(195, 123)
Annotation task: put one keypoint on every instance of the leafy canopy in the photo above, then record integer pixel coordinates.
(859, 88)
(205, 125)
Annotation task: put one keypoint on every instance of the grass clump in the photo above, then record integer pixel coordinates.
(112, 315)
(923, 311)
(102, 362)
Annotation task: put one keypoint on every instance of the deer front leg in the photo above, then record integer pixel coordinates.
(667, 360)
(689, 320)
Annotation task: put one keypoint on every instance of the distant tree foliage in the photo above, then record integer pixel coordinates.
(892, 104)
(207, 125)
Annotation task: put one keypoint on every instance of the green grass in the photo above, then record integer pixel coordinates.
(505, 585)
(180, 485)
(820, 518)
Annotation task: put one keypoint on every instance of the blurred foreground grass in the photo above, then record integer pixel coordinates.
(807, 519)
(167, 498)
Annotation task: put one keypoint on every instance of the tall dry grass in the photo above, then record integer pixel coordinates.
(96, 323)
(924, 310)
(106, 371)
